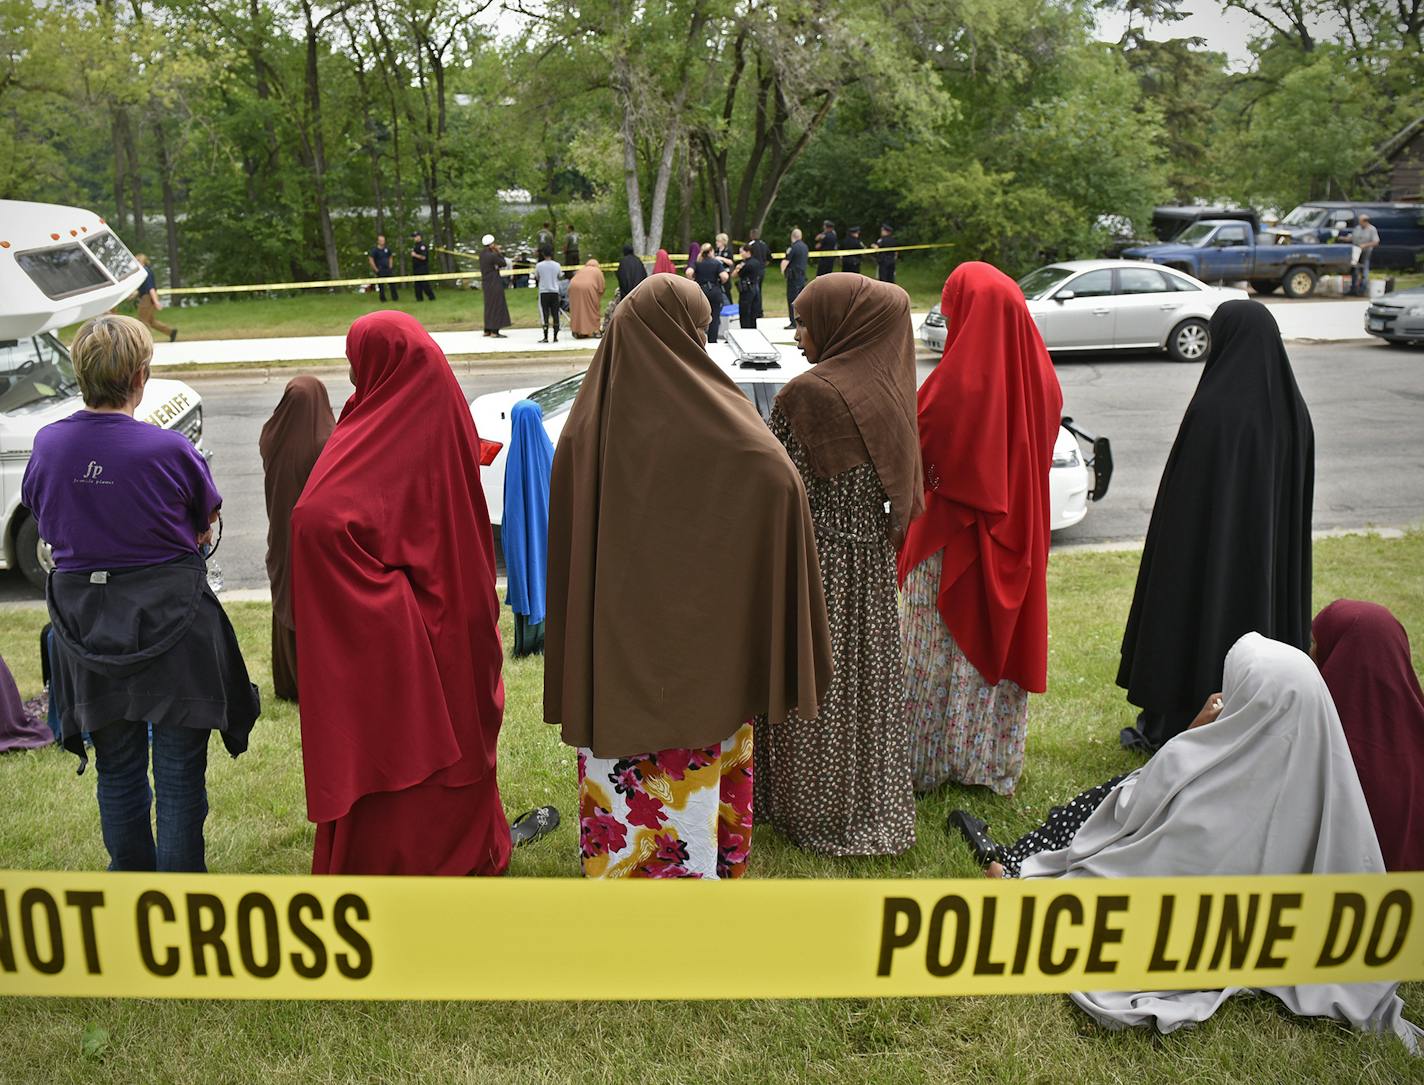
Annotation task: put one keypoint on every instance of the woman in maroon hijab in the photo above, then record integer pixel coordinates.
(1363, 655)
(290, 443)
(397, 623)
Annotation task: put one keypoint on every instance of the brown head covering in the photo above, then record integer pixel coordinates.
(291, 441)
(684, 590)
(858, 403)
(585, 288)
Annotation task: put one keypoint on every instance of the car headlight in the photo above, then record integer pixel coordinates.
(1067, 459)
(1417, 310)
(934, 320)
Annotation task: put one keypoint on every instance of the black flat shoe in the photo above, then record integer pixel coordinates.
(531, 825)
(975, 833)
(1133, 739)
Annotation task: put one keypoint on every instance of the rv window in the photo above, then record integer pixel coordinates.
(63, 271)
(112, 253)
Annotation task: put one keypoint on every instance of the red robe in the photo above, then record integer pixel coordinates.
(398, 643)
(988, 417)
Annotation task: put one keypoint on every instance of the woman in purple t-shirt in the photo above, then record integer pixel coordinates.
(139, 637)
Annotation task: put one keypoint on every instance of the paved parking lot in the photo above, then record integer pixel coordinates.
(1366, 398)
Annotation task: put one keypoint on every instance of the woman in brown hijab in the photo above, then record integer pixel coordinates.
(585, 308)
(291, 441)
(840, 784)
(684, 596)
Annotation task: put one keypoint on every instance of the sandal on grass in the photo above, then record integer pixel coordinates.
(532, 824)
(976, 835)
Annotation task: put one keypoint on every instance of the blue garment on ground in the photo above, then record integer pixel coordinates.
(525, 531)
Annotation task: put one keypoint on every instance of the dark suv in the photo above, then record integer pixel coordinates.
(1400, 226)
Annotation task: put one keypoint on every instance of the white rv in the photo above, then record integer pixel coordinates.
(58, 265)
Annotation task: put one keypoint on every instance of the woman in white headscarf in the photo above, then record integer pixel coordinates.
(1264, 784)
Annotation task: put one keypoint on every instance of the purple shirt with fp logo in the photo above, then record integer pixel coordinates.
(111, 492)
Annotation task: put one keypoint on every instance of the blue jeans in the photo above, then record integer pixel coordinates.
(180, 765)
(1360, 274)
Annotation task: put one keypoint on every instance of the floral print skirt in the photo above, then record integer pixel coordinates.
(961, 728)
(671, 814)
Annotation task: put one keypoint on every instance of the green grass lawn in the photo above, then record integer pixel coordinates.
(258, 825)
(319, 312)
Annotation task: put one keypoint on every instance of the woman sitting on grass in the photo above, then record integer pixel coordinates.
(1363, 655)
(140, 641)
(1261, 783)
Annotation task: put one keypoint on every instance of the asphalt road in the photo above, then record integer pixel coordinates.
(1367, 401)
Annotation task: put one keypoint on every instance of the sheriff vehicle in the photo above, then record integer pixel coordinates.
(58, 266)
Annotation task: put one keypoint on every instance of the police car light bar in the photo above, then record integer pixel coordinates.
(753, 350)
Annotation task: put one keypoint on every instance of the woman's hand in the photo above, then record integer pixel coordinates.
(1209, 712)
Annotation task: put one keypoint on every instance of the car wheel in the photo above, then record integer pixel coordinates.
(1299, 282)
(1265, 286)
(32, 553)
(1190, 341)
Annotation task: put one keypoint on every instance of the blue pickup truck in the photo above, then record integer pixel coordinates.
(1222, 250)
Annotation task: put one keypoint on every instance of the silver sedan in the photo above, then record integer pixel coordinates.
(1095, 305)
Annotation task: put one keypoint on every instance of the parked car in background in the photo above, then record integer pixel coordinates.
(1398, 318)
(1400, 226)
(1224, 250)
(1097, 305)
(1080, 472)
(58, 266)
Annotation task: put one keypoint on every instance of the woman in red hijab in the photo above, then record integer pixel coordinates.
(1363, 655)
(663, 265)
(974, 602)
(398, 643)
(290, 443)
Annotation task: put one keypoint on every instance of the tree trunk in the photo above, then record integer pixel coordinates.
(170, 204)
(317, 146)
(119, 171)
(135, 179)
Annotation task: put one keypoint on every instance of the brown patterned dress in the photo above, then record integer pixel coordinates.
(840, 784)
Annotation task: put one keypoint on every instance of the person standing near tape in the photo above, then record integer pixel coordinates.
(571, 250)
(398, 650)
(380, 260)
(684, 596)
(885, 261)
(149, 303)
(546, 278)
(141, 646)
(793, 267)
(826, 241)
(492, 288)
(420, 265)
(762, 252)
(850, 264)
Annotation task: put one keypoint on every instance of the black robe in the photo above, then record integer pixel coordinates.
(1228, 547)
(492, 286)
(630, 273)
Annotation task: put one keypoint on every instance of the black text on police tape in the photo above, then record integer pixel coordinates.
(191, 933)
(1229, 930)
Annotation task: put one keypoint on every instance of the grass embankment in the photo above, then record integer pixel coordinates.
(258, 825)
(316, 312)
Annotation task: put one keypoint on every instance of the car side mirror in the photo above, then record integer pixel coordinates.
(1064, 295)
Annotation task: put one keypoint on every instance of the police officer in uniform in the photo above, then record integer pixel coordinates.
(851, 264)
(380, 260)
(793, 266)
(885, 261)
(420, 265)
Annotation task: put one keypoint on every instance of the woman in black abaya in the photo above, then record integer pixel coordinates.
(1228, 548)
(630, 272)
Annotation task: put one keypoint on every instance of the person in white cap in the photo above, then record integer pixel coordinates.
(492, 283)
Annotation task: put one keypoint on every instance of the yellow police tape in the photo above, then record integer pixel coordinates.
(440, 276)
(240, 936)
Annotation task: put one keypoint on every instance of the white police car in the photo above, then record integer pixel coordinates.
(59, 265)
(760, 369)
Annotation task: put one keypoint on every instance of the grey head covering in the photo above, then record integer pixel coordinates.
(1268, 788)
